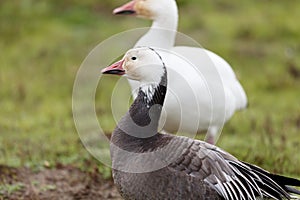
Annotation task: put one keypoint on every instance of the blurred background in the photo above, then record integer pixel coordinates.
(43, 43)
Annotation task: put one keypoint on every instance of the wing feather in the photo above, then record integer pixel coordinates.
(231, 178)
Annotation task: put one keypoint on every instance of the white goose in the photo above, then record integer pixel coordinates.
(221, 92)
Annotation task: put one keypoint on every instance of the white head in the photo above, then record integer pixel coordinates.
(142, 64)
(150, 9)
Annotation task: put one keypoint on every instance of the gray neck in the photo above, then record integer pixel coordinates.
(141, 121)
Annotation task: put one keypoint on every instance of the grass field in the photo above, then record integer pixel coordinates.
(43, 44)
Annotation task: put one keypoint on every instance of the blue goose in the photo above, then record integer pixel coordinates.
(150, 165)
(217, 107)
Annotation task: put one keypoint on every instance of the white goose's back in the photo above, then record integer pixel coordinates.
(224, 70)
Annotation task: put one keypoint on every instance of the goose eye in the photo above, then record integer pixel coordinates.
(133, 58)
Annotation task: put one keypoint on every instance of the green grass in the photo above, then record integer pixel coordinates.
(43, 44)
(10, 188)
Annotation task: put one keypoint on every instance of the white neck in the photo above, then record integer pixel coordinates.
(163, 31)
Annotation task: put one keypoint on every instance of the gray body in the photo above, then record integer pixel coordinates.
(149, 165)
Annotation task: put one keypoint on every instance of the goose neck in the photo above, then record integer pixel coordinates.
(162, 33)
(141, 121)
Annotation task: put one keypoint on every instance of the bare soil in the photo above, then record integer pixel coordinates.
(60, 183)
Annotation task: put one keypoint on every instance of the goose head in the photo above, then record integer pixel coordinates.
(142, 64)
(149, 9)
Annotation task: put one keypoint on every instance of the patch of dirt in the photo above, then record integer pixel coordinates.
(61, 183)
(294, 71)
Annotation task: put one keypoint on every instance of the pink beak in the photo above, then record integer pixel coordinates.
(116, 68)
(127, 9)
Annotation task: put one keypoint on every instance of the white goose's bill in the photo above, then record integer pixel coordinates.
(116, 69)
(126, 9)
(150, 9)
